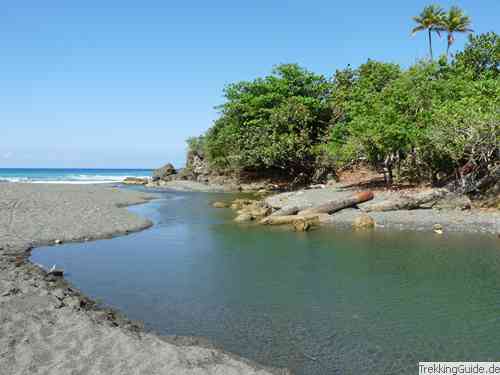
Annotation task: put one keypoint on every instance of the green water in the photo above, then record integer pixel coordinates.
(323, 302)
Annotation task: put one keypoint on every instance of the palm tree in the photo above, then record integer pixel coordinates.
(431, 20)
(455, 21)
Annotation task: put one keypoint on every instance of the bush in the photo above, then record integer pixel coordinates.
(428, 120)
(271, 123)
(481, 55)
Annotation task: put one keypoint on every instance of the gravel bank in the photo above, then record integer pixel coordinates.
(47, 326)
(473, 221)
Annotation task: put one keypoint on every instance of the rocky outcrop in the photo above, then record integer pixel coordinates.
(197, 164)
(164, 172)
(249, 209)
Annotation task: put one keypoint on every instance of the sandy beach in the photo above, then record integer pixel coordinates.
(48, 326)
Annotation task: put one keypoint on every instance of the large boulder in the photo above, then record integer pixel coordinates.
(164, 172)
(363, 222)
(304, 224)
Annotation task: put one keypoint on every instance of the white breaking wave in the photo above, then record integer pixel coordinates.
(70, 179)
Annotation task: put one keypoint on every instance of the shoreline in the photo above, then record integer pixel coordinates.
(450, 213)
(43, 317)
(39, 312)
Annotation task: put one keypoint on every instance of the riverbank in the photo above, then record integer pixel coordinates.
(49, 326)
(440, 211)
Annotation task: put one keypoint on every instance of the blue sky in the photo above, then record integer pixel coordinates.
(124, 83)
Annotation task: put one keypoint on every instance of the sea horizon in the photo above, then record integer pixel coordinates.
(71, 175)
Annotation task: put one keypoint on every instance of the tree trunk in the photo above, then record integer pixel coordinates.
(288, 219)
(407, 203)
(430, 43)
(388, 176)
(450, 41)
(337, 205)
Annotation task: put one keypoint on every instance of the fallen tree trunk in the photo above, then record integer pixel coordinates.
(337, 205)
(408, 202)
(288, 219)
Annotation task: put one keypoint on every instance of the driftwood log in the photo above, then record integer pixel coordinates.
(288, 219)
(407, 203)
(338, 204)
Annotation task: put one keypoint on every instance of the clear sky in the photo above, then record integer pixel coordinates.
(124, 83)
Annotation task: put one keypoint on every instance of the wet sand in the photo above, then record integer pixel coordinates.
(48, 326)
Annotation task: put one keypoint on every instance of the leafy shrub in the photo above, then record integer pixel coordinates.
(272, 122)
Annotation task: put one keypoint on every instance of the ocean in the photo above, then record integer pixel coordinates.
(69, 175)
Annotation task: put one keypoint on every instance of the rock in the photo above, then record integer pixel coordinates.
(197, 164)
(241, 218)
(259, 212)
(303, 224)
(255, 211)
(438, 228)
(363, 222)
(135, 181)
(238, 204)
(164, 172)
(220, 205)
(57, 273)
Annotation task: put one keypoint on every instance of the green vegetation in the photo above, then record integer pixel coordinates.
(424, 123)
(272, 123)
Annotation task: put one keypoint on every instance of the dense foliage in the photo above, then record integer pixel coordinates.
(271, 123)
(423, 123)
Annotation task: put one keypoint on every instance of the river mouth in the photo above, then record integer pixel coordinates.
(323, 302)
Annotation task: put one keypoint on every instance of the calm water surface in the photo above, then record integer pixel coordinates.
(323, 302)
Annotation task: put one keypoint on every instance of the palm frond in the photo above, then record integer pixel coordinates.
(416, 29)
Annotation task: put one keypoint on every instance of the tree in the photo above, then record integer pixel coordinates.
(422, 123)
(455, 21)
(271, 124)
(366, 130)
(431, 20)
(481, 55)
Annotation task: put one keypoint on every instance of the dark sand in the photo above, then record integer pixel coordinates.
(48, 327)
